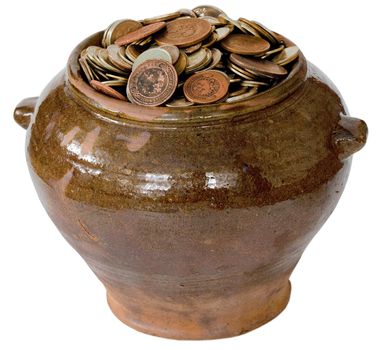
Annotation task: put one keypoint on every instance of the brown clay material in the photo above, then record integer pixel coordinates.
(195, 217)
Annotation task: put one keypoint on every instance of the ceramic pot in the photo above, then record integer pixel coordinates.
(193, 218)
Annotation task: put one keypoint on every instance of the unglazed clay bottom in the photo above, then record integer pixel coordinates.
(193, 218)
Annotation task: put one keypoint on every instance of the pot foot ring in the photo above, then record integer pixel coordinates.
(201, 319)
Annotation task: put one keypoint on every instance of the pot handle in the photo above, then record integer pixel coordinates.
(24, 111)
(349, 136)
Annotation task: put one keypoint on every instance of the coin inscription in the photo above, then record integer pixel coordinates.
(184, 32)
(152, 83)
(206, 87)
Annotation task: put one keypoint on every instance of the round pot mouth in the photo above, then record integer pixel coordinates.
(124, 112)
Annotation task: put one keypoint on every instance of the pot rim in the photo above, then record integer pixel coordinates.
(125, 112)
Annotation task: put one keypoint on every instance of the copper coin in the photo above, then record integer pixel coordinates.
(245, 44)
(140, 33)
(107, 90)
(124, 27)
(258, 65)
(152, 83)
(184, 32)
(206, 87)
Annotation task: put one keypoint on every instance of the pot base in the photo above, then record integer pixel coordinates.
(233, 316)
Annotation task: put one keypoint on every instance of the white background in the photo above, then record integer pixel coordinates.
(49, 299)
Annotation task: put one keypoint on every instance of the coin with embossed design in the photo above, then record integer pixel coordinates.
(206, 87)
(152, 83)
(184, 32)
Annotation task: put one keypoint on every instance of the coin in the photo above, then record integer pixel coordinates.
(253, 83)
(181, 63)
(107, 90)
(187, 13)
(132, 52)
(210, 40)
(239, 91)
(119, 28)
(155, 53)
(152, 83)
(223, 32)
(86, 69)
(198, 59)
(114, 82)
(115, 57)
(258, 66)
(207, 10)
(144, 41)
(192, 48)
(184, 32)
(233, 22)
(288, 55)
(240, 71)
(245, 44)
(260, 30)
(166, 17)
(140, 33)
(206, 87)
(243, 96)
(216, 58)
(273, 51)
(215, 21)
(173, 51)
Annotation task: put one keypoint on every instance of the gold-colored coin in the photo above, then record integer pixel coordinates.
(216, 58)
(288, 55)
(207, 10)
(167, 17)
(213, 38)
(179, 102)
(198, 59)
(223, 32)
(234, 23)
(272, 52)
(243, 96)
(260, 30)
(215, 21)
(119, 28)
(258, 66)
(181, 63)
(115, 57)
(253, 83)
(132, 52)
(192, 48)
(239, 91)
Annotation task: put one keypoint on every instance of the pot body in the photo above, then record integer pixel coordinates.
(194, 230)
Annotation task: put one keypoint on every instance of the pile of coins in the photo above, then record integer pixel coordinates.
(187, 57)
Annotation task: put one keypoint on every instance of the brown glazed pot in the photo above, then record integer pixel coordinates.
(193, 218)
